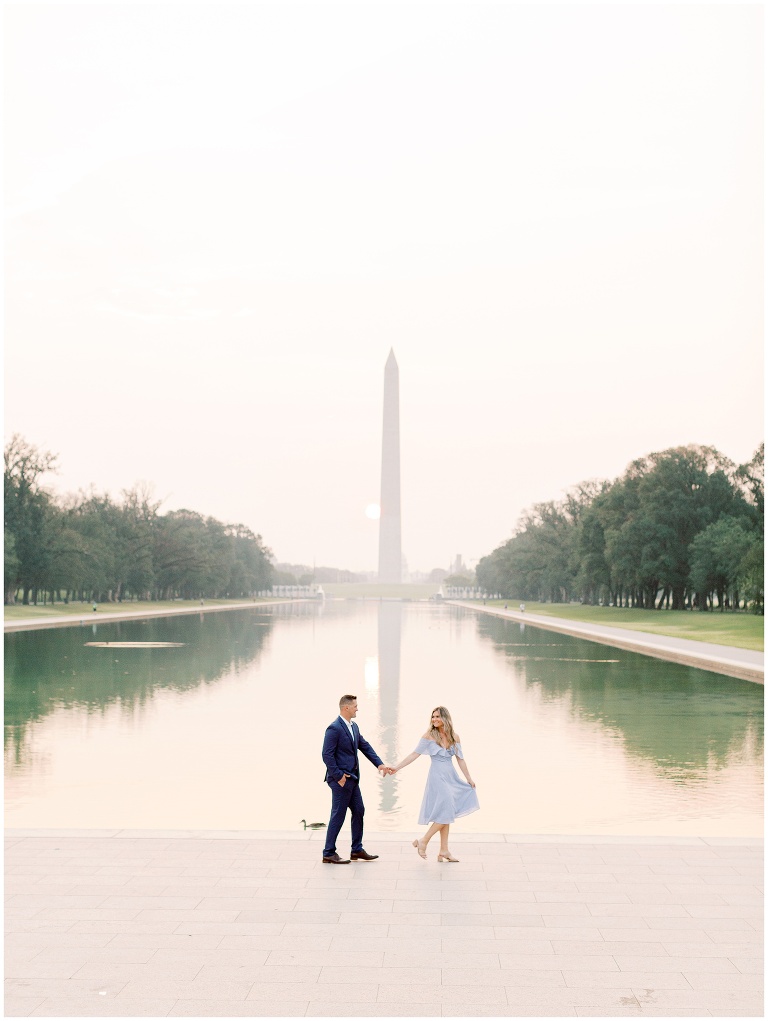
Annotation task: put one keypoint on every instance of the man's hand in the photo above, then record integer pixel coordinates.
(385, 770)
(343, 780)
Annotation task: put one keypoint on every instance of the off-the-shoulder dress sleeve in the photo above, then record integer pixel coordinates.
(426, 747)
(458, 751)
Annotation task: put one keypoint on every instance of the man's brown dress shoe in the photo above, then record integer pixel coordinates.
(333, 859)
(363, 856)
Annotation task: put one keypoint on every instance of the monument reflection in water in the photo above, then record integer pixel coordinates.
(389, 636)
(225, 730)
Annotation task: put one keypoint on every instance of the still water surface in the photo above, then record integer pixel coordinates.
(225, 729)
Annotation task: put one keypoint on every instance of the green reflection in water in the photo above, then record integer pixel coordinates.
(680, 718)
(49, 670)
(618, 744)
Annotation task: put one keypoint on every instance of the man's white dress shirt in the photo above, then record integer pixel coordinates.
(349, 728)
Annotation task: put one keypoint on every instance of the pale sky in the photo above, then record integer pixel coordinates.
(221, 218)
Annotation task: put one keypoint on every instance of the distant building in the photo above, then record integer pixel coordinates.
(458, 566)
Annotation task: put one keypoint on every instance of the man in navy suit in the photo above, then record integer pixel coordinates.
(342, 742)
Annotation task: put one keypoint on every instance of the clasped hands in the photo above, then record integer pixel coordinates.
(384, 770)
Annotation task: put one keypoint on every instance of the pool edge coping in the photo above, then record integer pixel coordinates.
(22, 833)
(644, 645)
(78, 620)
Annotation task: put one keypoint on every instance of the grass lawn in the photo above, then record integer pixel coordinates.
(744, 630)
(18, 612)
(372, 590)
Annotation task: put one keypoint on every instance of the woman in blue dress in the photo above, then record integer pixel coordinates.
(446, 797)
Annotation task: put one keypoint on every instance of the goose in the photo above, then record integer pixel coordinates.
(313, 825)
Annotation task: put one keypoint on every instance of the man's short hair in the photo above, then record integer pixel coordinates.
(347, 700)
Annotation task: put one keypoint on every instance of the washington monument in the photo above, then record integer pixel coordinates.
(390, 554)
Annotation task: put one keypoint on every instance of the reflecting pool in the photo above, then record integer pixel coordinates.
(216, 721)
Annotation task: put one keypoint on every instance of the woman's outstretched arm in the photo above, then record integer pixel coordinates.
(465, 771)
(406, 762)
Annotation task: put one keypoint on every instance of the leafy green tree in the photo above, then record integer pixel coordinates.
(71, 559)
(653, 513)
(181, 555)
(717, 555)
(545, 554)
(751, 574)
(11, 565)
(592, 574)
(630, 541)
(254, 558)
(27, 509)
(138, 521)
(490, 573)
(94, 518)
(751, 477)
(91, 546)
(459, 581)
(284, 578)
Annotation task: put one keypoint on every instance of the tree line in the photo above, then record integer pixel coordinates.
(303, 574)
(92, 547)
(680, 529)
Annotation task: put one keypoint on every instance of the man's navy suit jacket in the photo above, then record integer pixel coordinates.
(339, 753)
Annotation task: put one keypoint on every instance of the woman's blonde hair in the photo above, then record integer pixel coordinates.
(448, 730)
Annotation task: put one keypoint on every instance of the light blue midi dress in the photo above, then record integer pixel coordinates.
(446, 796)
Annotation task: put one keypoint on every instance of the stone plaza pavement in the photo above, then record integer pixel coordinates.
(179, 924)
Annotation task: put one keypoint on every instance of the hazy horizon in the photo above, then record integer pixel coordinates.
(220, 219)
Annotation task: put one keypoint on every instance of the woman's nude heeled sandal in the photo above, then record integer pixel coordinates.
(446, 856)
(417, 845)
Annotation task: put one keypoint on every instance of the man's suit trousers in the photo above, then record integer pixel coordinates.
(343, 798)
